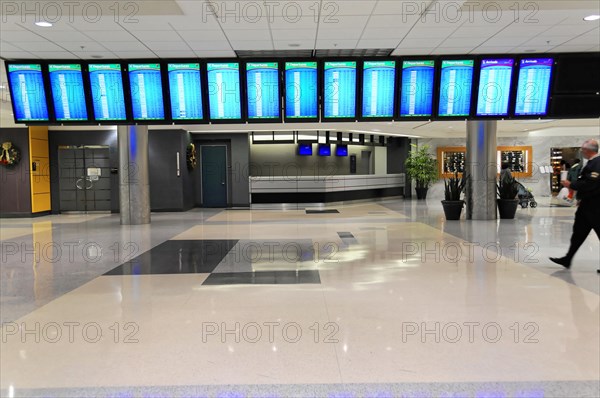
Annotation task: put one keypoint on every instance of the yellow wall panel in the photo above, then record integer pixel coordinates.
(40, 178)
(41, 186)
(42, 167)
(40, 202)
(39, 148)
(38, 132)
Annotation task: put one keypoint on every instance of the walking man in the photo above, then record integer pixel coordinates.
(587, 216)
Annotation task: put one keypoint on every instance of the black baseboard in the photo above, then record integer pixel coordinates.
(25, 215)
(325, 197)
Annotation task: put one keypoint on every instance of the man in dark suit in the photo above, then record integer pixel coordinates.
(587, 216)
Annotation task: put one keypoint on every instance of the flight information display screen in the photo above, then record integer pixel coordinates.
(108, 96)
(416, 99)
(28, 93)
(533, 87)
(185, 90)
(301, 92)
(340, 89)
(66, 81)
(494, 87)
(379, 86)
(224, 91)
(146, 92)
(263, 90)
(455, 88)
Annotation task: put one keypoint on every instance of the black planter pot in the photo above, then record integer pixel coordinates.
(421, 193)
(452, 209)
(507, 208)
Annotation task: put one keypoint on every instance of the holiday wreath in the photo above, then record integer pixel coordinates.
(10, 155)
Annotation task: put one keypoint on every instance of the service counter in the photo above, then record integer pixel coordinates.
(322, 189)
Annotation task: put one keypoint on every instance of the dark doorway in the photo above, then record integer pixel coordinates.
(213, 159)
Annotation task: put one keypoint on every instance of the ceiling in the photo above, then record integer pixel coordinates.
(205, 29)
(219, 28)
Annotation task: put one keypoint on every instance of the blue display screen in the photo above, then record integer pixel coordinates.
(494, 87)
(146, 92)
(28, 93)
(301, 100)
(379, 86)
(340, 90)
(305, 149)
(341, 150)
(224, 91)
(68, 95)
(263, 90)
(455, 88)
(185, 90)
(416, 98)
(108, 96)
(324, 150)
(534, 86)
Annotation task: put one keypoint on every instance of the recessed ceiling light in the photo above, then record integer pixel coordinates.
(44, 24)
(294, 45)
(592, 18)
(97, 56)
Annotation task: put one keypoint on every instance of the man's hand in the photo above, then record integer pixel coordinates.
(566, 183)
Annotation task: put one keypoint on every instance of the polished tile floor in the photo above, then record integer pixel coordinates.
(370, 299)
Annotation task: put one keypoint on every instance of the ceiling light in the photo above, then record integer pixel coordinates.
(592, 17)
(535, 121)
(44, 24)
(294, 45)
(97, 56)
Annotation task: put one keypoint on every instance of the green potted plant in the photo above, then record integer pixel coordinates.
(421, 167)
(508, 189)
(453, 189)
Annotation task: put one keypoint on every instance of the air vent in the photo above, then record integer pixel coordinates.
(354, 52)
(321, 53)
(274, 53)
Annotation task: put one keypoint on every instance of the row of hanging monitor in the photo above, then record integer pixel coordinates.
(232, 91)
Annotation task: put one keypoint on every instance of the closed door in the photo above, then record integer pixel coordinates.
(364, 166)
(214, 175)
(84, 179)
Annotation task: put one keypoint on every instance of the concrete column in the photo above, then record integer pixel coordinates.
(134, 182)
(481, 164)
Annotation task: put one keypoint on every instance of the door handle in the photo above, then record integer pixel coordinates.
(78, 184)
(87, 179)
(222, 183)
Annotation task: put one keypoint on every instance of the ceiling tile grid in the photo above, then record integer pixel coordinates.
(220, 27)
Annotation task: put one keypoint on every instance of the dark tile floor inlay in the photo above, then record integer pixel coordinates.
(264, 278)
(178, 257)
(331, 211)
(347, 238)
